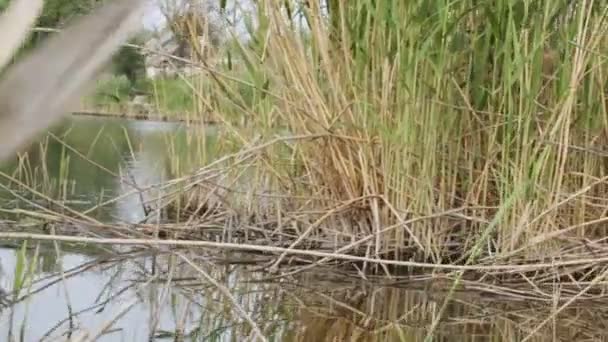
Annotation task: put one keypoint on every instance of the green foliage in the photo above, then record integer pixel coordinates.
(24, 270)
(172, 94)
(169, 95)
(112, 90)
(56, 13)
(130, 62)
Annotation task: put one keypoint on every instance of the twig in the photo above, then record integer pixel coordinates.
(228, 295)
(312, 253)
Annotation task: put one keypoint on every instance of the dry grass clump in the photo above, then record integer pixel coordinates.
(467, 132)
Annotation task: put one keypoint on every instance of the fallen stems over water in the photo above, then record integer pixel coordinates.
(513, 268)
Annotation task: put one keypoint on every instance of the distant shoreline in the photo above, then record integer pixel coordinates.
(140, 117)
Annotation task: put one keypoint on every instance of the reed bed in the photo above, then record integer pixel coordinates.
(461, 133)
(394, 141)
(201, 212)
(453, 149)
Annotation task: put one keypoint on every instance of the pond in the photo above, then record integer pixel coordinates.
(205, 295)
(87, 160)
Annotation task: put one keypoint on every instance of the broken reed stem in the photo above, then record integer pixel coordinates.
(312, 253)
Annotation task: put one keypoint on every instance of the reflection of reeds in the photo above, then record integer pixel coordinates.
(214, 295)
(313, 307)
(352, 313)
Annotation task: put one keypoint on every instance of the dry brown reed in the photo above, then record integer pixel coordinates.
(442, 140)
(385, 155)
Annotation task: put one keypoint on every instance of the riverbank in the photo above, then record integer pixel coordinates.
(175, 118)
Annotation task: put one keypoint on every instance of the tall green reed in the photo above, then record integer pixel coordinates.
(445, 112)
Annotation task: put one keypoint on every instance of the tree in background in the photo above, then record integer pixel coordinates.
(130, 62)
(195, 25)
(56, 13)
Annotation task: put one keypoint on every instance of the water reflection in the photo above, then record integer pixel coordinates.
(85, 161)
(309, 307)
(91, 160)
(47, 313)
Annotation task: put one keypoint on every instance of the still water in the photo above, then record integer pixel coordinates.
(84, 162)
(78, 289)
